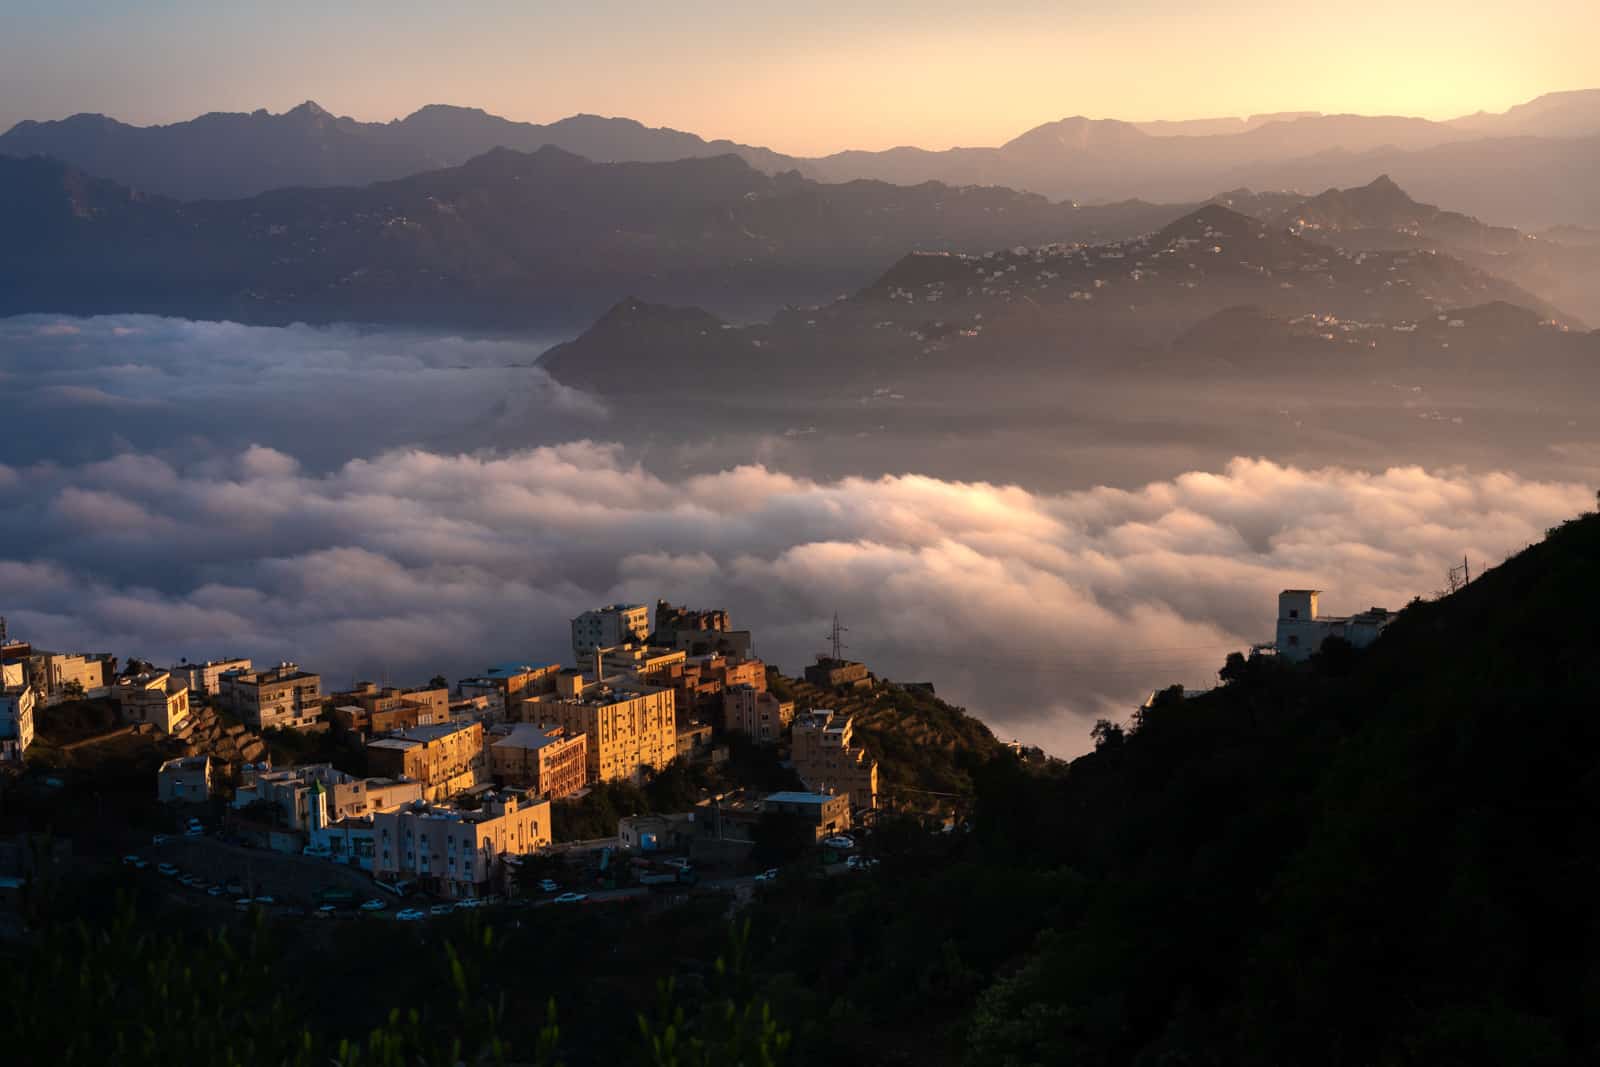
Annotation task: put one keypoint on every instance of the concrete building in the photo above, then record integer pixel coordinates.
(694, 741)
(628, 724)
(17, 702)
(284, 697)
(539, 758)
(184, 781)
(830, 673)
(756, 713)
(614, 624)
(156, 697)
(343, 796)
(826, 813)
(1302, 627)
(369, 710)
(699, 633)
(827, 762)
(456, 852)
(54, 675)
(503, 685)
(203, 678)
(699, 682)
(446, 759)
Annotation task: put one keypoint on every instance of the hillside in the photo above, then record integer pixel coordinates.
(508, 239)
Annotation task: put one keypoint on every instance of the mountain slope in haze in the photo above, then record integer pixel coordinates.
(1067, 310)
(508, 239)
(232, 155)
(1381, 216)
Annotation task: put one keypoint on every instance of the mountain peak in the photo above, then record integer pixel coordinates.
(310, 109)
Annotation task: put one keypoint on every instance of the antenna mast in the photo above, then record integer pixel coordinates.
(836, 637)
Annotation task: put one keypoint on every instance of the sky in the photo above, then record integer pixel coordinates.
(801, 78)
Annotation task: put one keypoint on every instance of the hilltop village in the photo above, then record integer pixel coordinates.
(667, 754)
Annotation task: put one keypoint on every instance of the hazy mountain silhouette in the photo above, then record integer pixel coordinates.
(507, 239)
(1531, 165)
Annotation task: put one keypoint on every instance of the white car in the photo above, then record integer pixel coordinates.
(214, 891)
(839, 841)
(266, 900)
(168, 870)
(768, 875)
(678, 862)
(160, 839)
(373, 905)
(572, 898)
(441, 909)
(130, 860)
(410, 915)
(547, 886)
(195, 831)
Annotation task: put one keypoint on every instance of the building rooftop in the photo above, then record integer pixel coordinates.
(527, 735)
(421, 734)
(794, 796)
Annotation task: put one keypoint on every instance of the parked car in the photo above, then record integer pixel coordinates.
(768, 875)
(235, 889)
(373, 905)
(839, 841)
(441, 909)
(679, 862)
(860, 863)
(140, 865)
(572, 898)
(187, 880)
(243, 904)
(214, 891)
(160, 839)
(130, 860)
(266, 900)
(168, 870)
(547, 886)
(409, 915)
(195, 831)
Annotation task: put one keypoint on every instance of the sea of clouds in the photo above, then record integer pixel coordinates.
(1039, 611)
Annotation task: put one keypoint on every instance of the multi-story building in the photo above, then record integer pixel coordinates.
(184, 781)
(1302, 629)
(699, 633)
(368, 710)
(446, 759)
(202, 678)
(539, 758)
(756, 713)
(156, 697)
(55, 676)
(17, 700)
(293, 791)
(827, 762)
(614, 624)
(699, 682)
(628, 724)
(456, 852)
(502, 686)
(284, 697)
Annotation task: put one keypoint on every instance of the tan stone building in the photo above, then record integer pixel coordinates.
(628, 724)
(700, 681)
(502, 686)
(829, 673)
(17, 702)
(367, 709)
(203, 679)
(827, 762)
(446, 759)
(456, 852)
(283, 697)
(756, 713)
(826, 813)
(539, 758)
(154, 697)
(607, 627)
(53, 674)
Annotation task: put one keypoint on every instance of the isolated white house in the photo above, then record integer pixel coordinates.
(1301, 629)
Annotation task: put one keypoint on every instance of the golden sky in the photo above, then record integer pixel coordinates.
(801, 78)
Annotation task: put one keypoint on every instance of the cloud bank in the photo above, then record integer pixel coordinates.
(1038, 612)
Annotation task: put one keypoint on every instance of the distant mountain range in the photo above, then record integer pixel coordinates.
(510, 239)
(1532, 165)
(1086, 310)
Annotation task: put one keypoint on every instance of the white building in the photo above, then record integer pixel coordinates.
(614, 624)
(16, 716)
(1302, 629)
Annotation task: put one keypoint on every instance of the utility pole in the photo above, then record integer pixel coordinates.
(836, 637)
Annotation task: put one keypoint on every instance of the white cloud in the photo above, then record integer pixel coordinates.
(1037, 611)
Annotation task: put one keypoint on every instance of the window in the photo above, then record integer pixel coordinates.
(1294, 613)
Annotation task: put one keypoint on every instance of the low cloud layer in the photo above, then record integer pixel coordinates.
(84, 388)
(1038, 612)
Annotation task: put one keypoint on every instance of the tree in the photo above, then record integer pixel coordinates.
(72, 690)
(438, 681)
(1106, 734)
